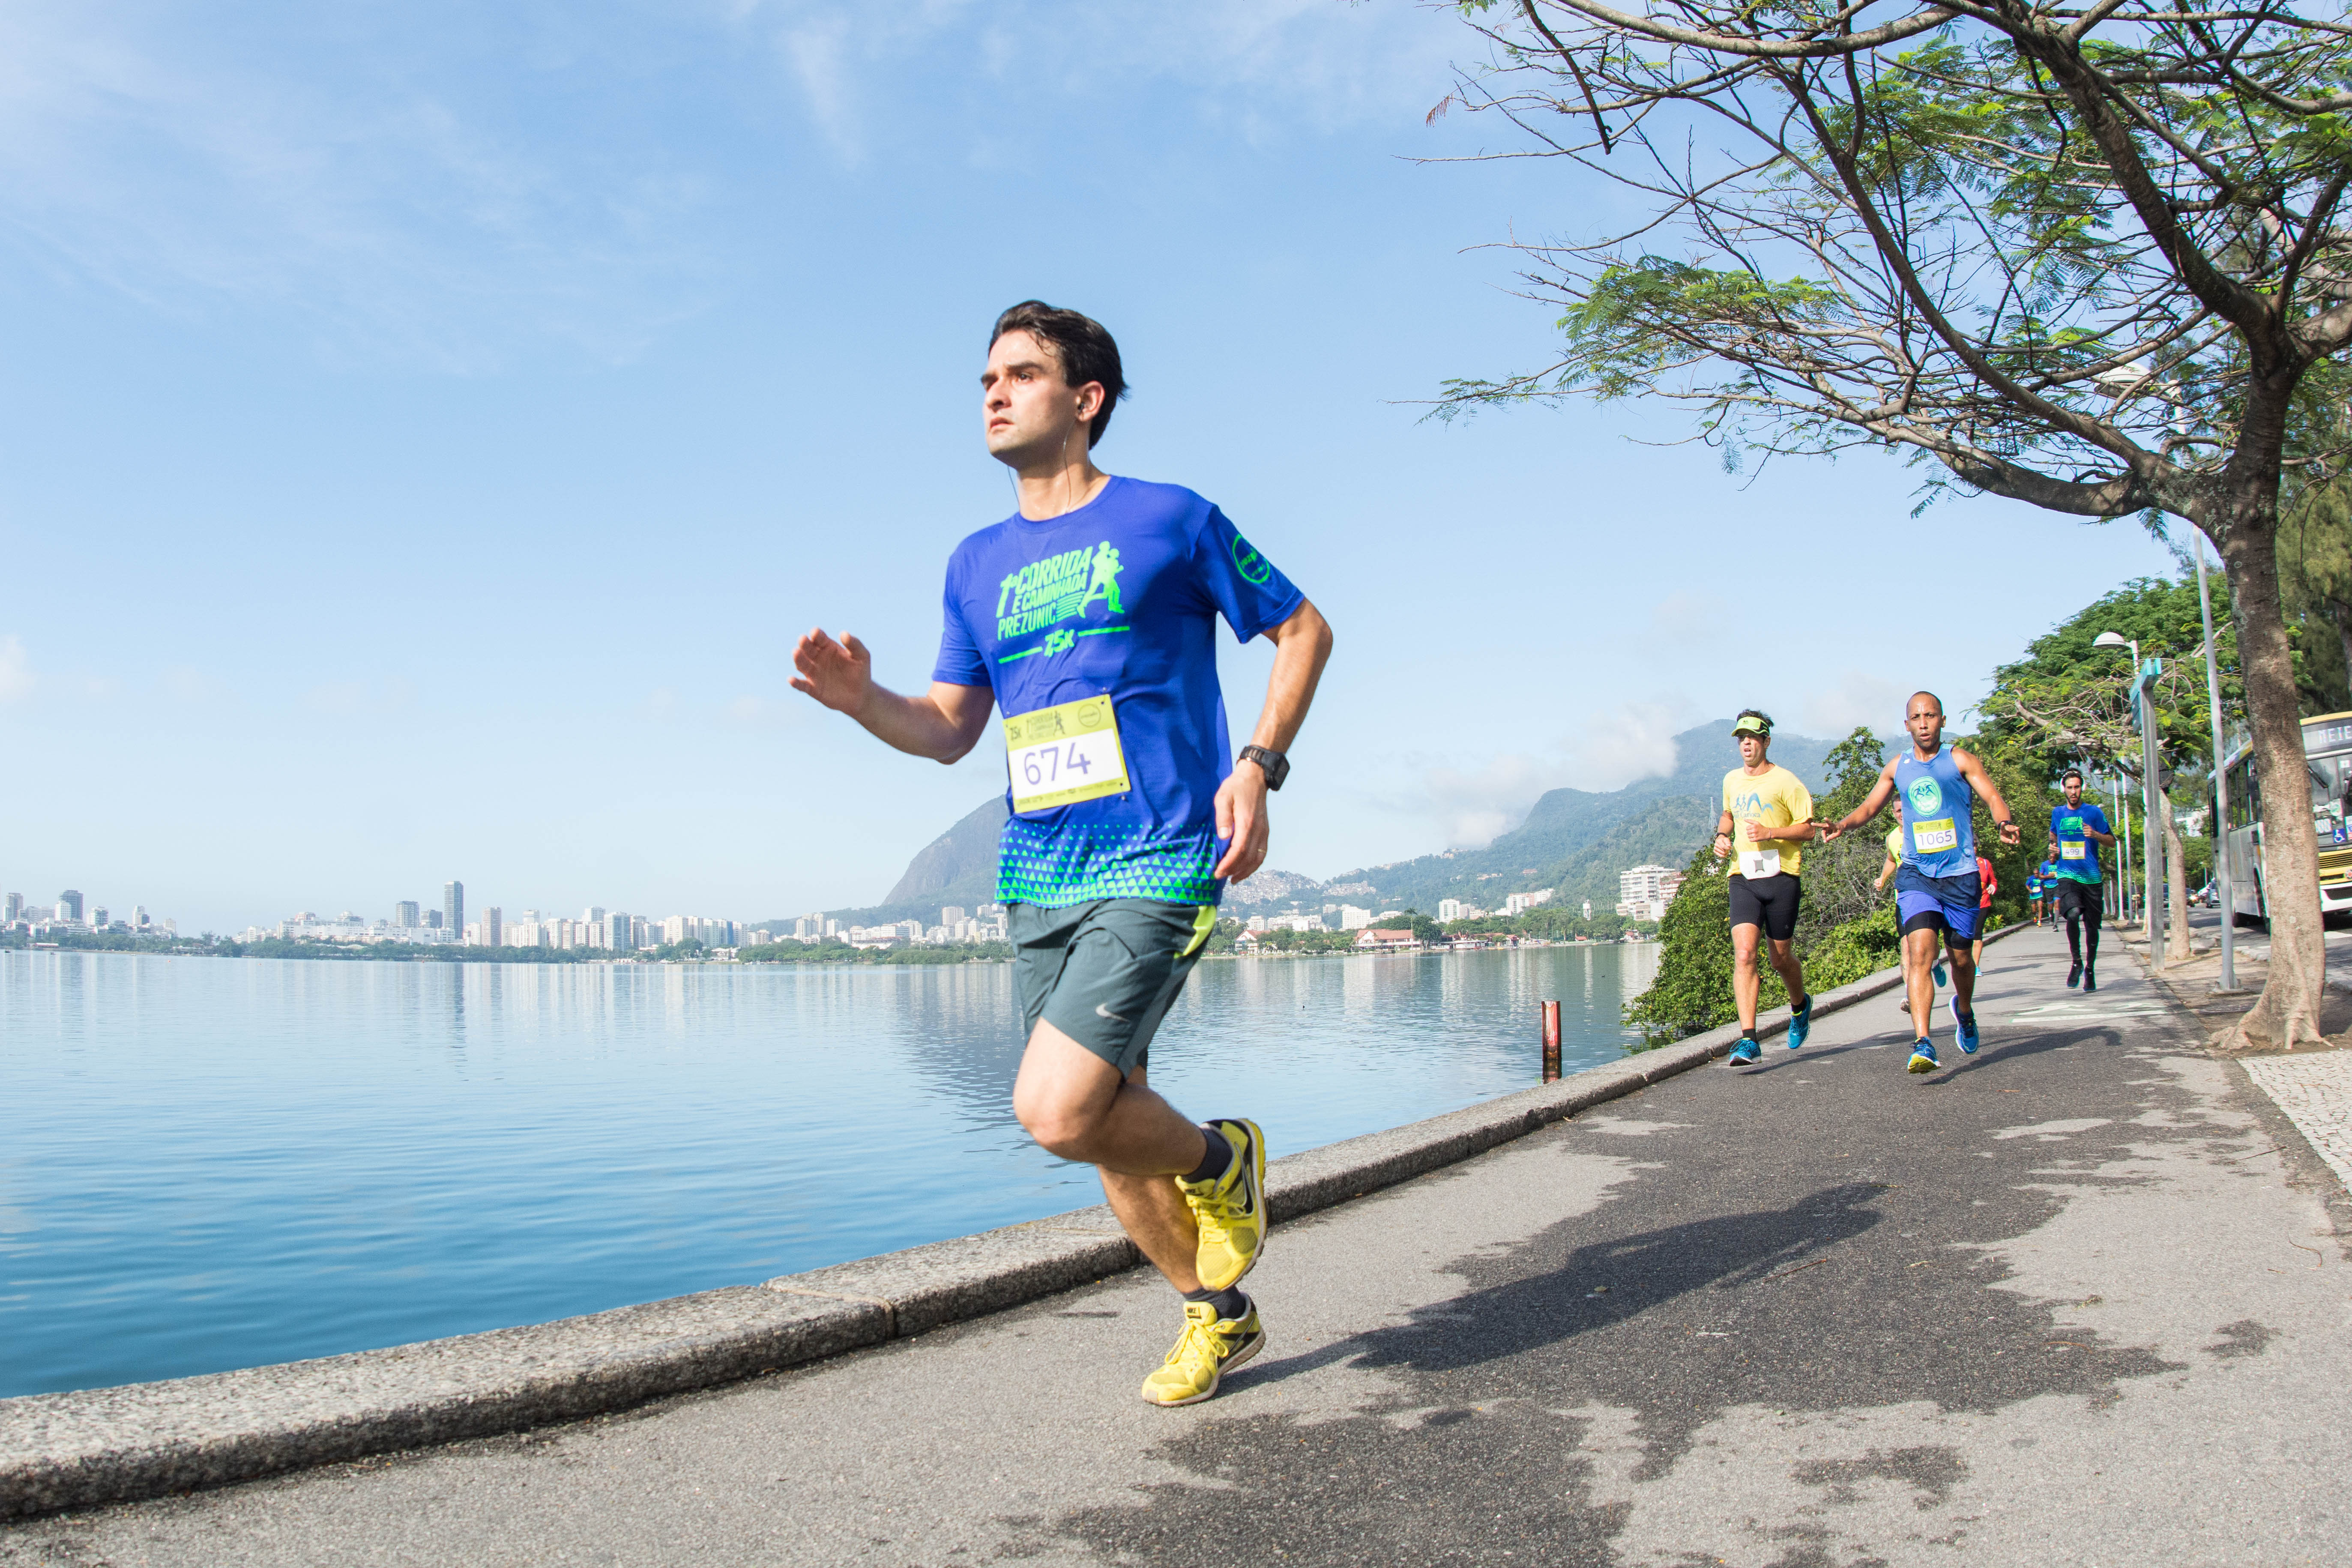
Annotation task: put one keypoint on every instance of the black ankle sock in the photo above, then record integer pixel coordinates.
(1229, 1303)
(1215, 1162)
(1748, 1034)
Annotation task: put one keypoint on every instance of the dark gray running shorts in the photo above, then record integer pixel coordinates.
(1104, 972)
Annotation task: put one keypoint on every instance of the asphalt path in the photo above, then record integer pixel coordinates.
(2079, 1299)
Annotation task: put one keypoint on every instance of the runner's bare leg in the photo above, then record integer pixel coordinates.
(1076, 1106)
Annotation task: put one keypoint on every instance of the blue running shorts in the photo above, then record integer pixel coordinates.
(1921, 900)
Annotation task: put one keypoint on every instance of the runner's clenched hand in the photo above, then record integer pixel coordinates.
(838, 674)
(1241, 821)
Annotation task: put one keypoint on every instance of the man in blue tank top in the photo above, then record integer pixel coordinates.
(1937, 888)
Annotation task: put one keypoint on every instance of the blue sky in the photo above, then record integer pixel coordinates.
(427, 426)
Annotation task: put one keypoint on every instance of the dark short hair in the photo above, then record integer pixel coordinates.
(1928, 695)
(1087, 352)
(2070, 773)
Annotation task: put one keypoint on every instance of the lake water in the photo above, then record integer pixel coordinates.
(208, 1163)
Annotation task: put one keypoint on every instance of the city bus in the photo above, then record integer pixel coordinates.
(2327, 763)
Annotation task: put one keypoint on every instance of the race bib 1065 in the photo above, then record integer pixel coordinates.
(1932, 837)
(1064, 754)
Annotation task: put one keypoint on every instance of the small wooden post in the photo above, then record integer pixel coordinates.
(1551, 1042)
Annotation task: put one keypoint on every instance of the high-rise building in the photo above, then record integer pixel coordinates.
(433, 921)
(69, 907)
(951, 916)
(493, 923)
(15, 908)
(404, 914)
(1643, 892)
(453, 905)
(97, 918)
(620, 931)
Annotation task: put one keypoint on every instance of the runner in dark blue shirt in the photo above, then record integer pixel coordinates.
(1089, 618)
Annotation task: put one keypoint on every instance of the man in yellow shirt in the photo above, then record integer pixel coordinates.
(1767, 813)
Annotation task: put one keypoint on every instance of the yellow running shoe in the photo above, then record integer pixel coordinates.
(1230, 1210)
(1209, 1348)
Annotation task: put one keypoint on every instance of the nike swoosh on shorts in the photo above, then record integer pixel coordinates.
(1103, 1012)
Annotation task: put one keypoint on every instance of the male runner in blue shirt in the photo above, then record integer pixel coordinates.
(1089, 618)
(1937, 887)
(2077, 828)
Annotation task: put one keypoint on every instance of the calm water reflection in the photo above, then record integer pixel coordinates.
(216, 1163)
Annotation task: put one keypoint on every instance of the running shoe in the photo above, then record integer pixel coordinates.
(2090, 981)
(1923, 1055)
(2073, 975)
(1965, 1025)
(1230, 1210)
(1209, 1348)
(1743, 1055)
(1938, 973)
(1801, 1024)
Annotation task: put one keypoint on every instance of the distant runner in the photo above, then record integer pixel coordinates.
(1767, 813)
(1089, 615)
(2077, 828)
(1937, 888)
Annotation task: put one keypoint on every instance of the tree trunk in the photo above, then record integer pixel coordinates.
(2287, 1014)
(2175, 885)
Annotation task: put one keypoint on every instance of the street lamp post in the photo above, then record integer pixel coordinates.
(2219, 836)
(2151, 837)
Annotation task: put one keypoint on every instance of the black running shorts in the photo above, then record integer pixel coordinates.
(1768, 902)
(2081, 901)
(1104, 972)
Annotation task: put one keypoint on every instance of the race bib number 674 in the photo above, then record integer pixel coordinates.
(1064, 754)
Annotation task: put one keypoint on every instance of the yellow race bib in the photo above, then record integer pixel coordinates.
(1064, 754)
(2072, 848)
(1932, 837)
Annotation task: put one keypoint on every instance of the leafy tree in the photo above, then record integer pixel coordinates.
(2089, 258)
(2315, 574)
(1691, 990)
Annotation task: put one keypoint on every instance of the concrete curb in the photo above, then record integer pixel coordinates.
(149, 1439)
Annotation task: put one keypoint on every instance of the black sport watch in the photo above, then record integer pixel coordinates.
(1276, 765)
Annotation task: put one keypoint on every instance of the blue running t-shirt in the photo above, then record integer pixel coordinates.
(1119, 596)
(1939, 833)
(2078, 856)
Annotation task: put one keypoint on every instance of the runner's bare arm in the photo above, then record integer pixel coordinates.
(1871, 806)
(1981, 782)
(1723, 826)
(1301, 644)
(943, 723)
(1803, 832)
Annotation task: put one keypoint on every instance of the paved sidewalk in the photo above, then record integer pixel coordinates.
(2076, 1301)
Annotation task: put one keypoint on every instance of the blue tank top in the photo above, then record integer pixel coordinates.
(1939, 835)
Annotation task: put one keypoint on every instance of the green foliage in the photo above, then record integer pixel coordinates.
(2068, 701)
(1853, 767)
(1691, 990)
